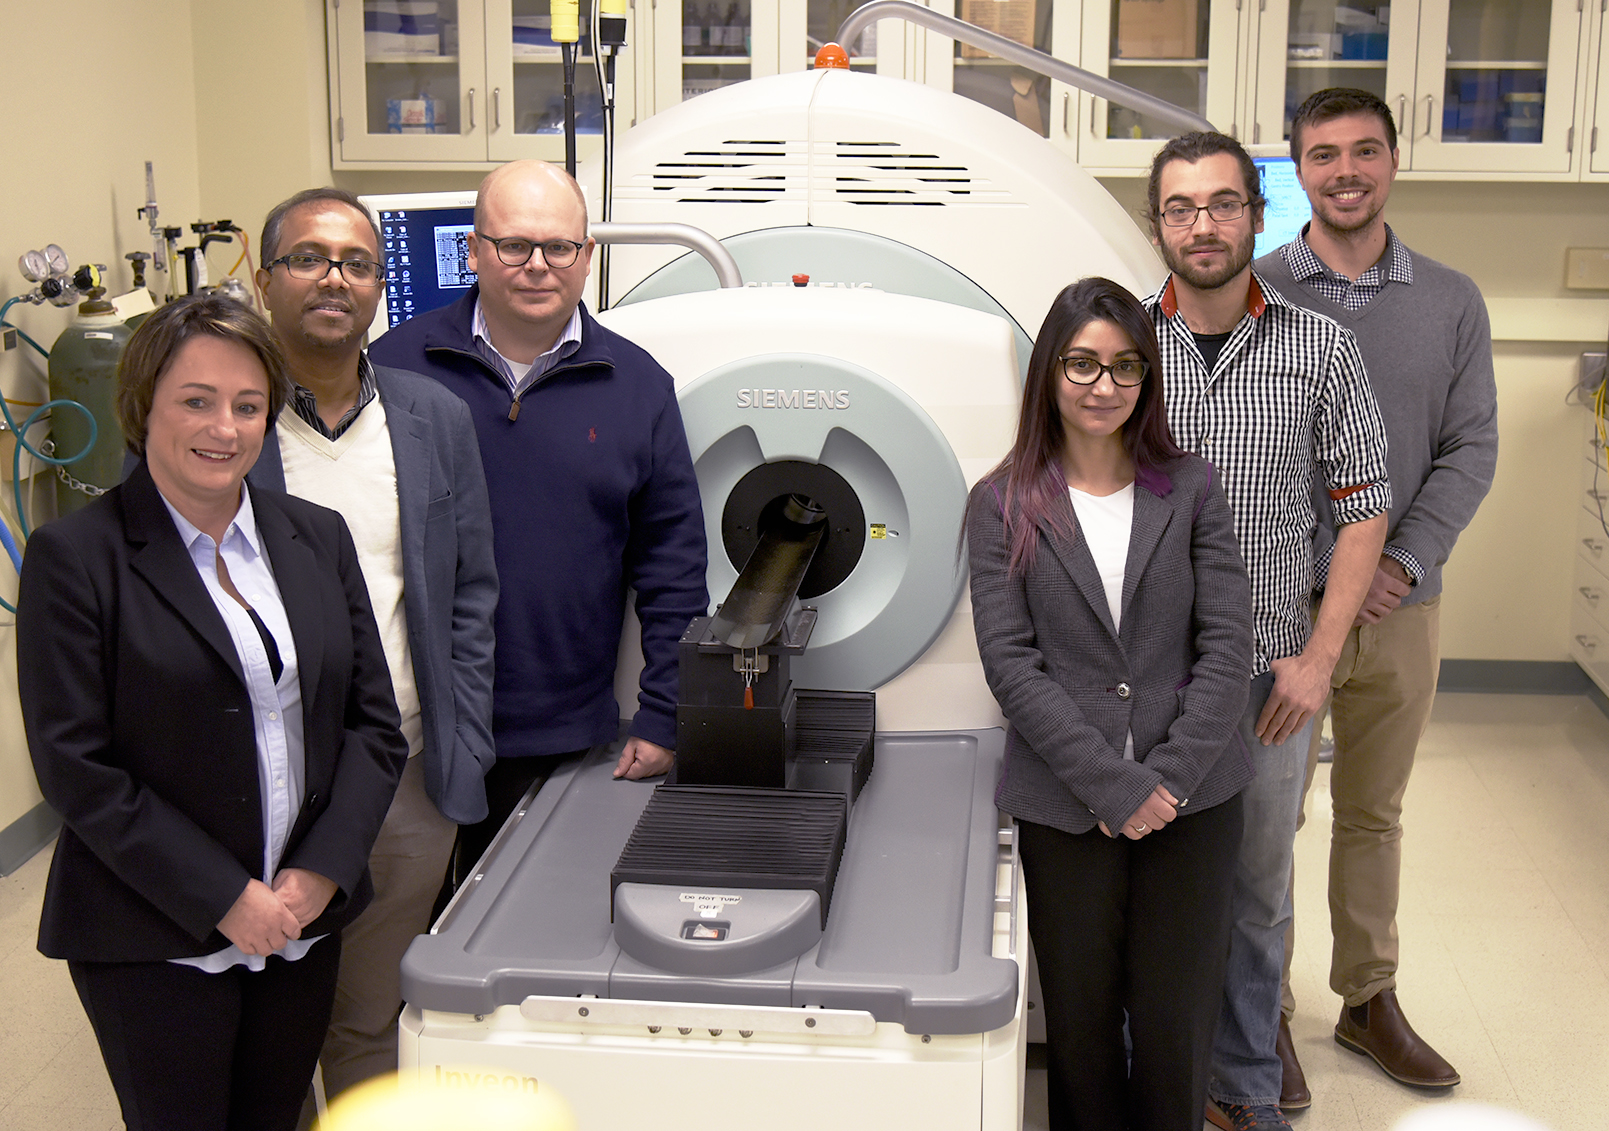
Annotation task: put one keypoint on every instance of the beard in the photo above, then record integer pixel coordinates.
(1210, 279)
(1347, 225)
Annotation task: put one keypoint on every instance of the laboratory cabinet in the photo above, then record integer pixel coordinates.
(1480, 89)
(1488, 88)
(431, 84)
(1589, 604)
(1597, 127)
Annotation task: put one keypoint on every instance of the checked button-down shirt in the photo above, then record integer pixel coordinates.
(1287, 402)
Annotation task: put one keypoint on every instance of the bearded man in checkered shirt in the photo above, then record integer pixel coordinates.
(1277, 398)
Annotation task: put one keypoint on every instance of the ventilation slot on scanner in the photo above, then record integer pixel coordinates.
(700, 837)
(833, 743)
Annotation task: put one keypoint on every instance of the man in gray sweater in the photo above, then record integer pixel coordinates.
(1426, 341)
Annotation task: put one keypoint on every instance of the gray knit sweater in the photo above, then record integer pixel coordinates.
(1428, 349)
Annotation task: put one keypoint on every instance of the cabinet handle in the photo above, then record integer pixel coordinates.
(1430, 112)
(1594, 547)
(1590, 594)
(1092, 133)
(1402, 112)
(497, 107)
(1598, 496)
(471, 107)
(1066, 113)
(1589, 644)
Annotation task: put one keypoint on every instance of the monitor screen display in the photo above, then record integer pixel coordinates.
(1288, 208)
(424, 245)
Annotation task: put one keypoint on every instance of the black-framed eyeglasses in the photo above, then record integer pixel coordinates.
(1184, 215)
(516, 251)
(1126, 372)
(306, 265)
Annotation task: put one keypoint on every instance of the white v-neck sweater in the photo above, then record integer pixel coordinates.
(357, 476)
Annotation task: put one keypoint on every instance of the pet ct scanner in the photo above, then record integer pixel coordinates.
(861, 404)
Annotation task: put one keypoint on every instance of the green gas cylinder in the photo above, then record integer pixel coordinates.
(83, 368)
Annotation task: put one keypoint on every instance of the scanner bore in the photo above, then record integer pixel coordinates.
(759, 499)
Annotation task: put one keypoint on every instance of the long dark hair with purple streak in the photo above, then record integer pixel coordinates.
(1029, 481)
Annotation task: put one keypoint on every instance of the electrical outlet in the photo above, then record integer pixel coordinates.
(1586, 268)
(1591, 372)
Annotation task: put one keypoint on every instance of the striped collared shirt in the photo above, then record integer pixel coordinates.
(1395, 266)
(517, 382)
(1287, 396)
(306, 404)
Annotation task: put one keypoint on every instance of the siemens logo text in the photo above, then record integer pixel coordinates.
(793, 398)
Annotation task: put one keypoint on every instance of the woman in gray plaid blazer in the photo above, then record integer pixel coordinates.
(1113, 614)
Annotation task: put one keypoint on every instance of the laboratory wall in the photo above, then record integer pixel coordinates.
(229, 98)
(92, 92)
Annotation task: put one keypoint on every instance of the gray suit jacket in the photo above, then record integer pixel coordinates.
(1177, 672)
(449, 579)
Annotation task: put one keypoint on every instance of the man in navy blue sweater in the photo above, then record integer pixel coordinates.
(591, 485)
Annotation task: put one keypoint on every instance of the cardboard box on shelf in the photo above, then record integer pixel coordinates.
(1013, 19)
(1156, 29)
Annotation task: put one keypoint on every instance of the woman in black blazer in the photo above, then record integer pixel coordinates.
(209, 709)
(1113, 615)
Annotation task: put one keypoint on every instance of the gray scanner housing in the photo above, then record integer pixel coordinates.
(908, 939)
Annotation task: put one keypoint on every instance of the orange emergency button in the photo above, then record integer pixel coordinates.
(801, 280)
(831, 55)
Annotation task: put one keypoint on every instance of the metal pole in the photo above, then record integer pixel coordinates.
(684, 235)
(1099, 85)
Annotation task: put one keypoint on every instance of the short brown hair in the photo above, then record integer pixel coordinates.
(1338, 102)
(268, 246)
(153, 346)
(1192, 147)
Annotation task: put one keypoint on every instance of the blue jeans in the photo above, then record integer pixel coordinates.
(1245, 1067)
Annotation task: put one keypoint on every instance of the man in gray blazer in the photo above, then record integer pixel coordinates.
(396, 454)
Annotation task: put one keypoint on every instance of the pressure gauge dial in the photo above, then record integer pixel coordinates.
(34, 266)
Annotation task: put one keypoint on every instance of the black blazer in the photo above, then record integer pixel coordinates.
(141, 730)
(1177, 673)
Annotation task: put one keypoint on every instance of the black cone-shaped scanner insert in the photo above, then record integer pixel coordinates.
(757, 606)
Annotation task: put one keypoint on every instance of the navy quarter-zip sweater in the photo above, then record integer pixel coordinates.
(592, 491)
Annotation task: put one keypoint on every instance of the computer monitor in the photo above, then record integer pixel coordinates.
(423, 241)
(1288, 208)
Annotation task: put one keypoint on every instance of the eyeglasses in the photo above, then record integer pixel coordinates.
(516, 251)
(306, 265)
(1184, 215)
(1126, 372)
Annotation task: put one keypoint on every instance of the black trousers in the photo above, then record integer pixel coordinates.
(506, 782)
(191, 1051)
(1136, 930)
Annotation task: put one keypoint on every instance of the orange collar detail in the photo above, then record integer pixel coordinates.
(1254, 299)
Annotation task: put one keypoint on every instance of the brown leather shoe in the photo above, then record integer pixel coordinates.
(1293, 1093)
(1378, 1029)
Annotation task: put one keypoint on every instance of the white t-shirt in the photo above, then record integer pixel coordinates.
(1106, 521)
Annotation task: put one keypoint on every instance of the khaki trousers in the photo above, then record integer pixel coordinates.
(1380, 700)
(408, 863)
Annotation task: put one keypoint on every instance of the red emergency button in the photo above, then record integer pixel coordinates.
(801, 280)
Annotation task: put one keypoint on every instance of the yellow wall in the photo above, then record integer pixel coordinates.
(92, 91)
(230, 99)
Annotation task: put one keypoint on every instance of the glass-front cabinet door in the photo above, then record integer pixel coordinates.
(1496, 85)
(1018, 93)
(1596, 162)
(525, 78)
(1183, 51)
(412, 73)
(1304, 46)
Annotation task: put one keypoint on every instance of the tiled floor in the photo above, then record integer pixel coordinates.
(1504, 923)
